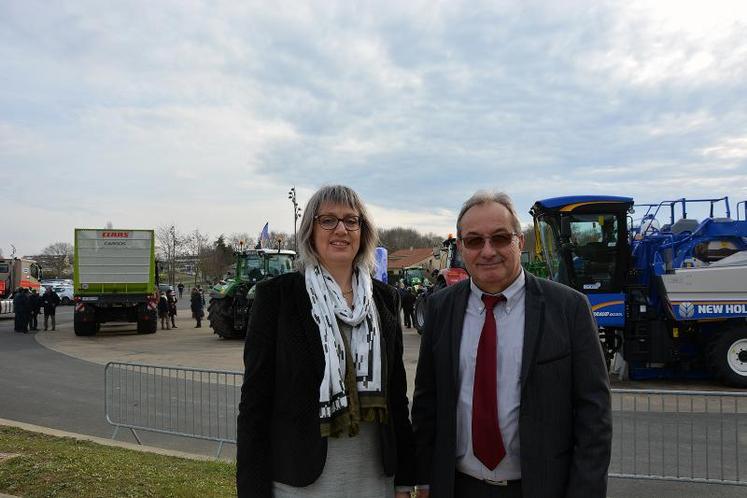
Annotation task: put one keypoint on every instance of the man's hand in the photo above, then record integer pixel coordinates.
(422, 493)
(402, 494)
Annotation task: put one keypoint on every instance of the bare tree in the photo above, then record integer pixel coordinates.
(56, 259)
(398, 238)
(170, 245)
(280, 240)
(235, 240)
(196, 243)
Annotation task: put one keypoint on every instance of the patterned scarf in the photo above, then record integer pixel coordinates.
(327, 306)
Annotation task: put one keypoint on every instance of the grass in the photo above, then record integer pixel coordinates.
(65, 467)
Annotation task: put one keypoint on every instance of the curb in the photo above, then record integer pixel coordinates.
(105, 442)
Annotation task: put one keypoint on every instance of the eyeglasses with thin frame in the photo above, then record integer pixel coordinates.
(497, 241)
(330, 222)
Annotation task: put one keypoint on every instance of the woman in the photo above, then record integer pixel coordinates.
(196, 305)
(323, 410)
(163, 312)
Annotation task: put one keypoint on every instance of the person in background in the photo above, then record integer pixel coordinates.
(196, 304)
(180, 287)
(408, 305)
(50, 300)
(34, 309)
(171, 298)
(21, 310)
(324, 409)
(163, 311)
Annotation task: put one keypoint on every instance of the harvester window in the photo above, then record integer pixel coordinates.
(4, 268)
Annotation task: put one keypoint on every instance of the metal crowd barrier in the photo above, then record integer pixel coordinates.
(187, 402)
(693, 436)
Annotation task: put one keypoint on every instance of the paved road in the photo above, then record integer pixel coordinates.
(47, 388)
(61, 386)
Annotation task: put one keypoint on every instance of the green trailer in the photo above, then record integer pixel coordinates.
(115, 279)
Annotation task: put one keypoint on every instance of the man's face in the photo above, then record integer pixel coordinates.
(492, 268)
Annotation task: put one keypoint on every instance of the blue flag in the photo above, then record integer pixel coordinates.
(264, 235)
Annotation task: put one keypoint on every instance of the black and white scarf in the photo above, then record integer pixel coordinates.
(327, 306)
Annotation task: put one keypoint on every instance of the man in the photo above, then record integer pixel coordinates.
(407, 297)
(21, 310)
(511, 393)
(35, 308)
(50, 301)
(181, 289)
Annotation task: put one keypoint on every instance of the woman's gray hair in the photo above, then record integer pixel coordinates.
(345, 196)
(487, 196)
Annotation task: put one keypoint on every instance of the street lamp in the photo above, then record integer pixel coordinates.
(296, 215)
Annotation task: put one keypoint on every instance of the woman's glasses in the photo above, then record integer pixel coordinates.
(330, 222)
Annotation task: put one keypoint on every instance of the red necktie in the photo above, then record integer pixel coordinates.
(487, 443)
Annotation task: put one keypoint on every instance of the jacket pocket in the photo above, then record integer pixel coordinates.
(553, 357)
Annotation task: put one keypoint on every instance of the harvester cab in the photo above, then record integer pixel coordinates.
(583, 242)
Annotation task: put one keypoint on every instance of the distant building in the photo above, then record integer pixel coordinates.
(419, 256)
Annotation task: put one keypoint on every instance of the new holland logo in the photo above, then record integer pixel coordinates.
(687, 310)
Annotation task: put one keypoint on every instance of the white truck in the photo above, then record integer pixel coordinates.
(115, 279)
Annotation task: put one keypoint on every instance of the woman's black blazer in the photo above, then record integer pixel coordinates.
(278, 435)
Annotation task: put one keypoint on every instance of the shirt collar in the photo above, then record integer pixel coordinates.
(512, 293)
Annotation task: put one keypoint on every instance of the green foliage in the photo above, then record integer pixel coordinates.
(64, 467)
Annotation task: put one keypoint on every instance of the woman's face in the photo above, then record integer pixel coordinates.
(337, 246)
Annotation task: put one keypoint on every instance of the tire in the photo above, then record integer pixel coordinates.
(421, 307)
(83, 329)
(221, 318)
(66, 300)
(729, 357)
(147, 326)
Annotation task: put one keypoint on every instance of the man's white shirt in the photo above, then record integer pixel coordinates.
(509, 319)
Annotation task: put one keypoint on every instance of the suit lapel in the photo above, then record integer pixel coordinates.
(533, 326)
(458, 309)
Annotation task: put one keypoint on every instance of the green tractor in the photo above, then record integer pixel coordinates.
(231, 302)
(412, 276)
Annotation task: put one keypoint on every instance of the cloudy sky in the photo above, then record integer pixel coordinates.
(204, 114)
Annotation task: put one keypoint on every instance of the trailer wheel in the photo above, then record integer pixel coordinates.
(85, 328)
(729, 357)
(147, 326)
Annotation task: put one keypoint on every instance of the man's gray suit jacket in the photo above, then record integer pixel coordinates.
(565, 424)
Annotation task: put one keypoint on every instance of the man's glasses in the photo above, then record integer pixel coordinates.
(330, 222)
(498, 241)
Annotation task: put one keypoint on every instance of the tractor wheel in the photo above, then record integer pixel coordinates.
(85, 328)
(421, 307)
(220, 317)
(729, 357)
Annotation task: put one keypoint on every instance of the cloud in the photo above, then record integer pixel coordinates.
(205, 113)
